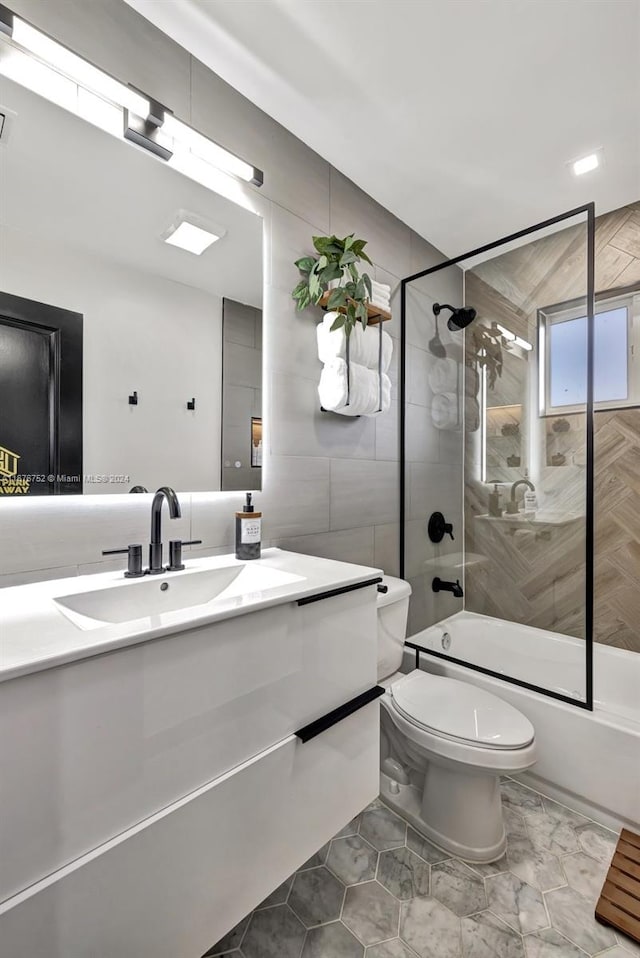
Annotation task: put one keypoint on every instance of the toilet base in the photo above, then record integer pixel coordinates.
(471, 810)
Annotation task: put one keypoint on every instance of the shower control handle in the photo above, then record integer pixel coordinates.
(438, 527)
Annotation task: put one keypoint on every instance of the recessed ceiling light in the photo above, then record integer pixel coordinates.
(191, 236)
(585, 164)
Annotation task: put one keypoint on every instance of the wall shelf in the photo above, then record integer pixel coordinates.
(374, 313)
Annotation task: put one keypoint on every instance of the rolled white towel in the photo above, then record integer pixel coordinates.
(383, 288)
(363, 344)
(380, 303)
(364, 389)
(444, 411)
(443, 376)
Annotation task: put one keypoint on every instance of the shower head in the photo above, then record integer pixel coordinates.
(460, 316)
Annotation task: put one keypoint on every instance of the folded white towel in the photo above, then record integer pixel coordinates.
(382, 288)
(443, 376)
(444, 411)
(380, 304)
(364, 389)
(363, 344)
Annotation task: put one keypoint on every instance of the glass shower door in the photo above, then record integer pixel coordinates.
(498, 436)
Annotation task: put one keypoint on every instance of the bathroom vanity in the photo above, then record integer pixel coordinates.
(154, 787)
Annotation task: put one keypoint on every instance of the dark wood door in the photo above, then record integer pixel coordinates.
(40, 399)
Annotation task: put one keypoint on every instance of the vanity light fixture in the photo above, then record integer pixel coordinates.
(192, 234)
(47, 67)
(586, 163)
(512, 338)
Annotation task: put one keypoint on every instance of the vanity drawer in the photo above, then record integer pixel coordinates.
(179, 881)
(92, 748)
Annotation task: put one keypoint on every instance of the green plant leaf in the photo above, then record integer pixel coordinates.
(348, 241)
(348, 257)
(361, 291)
(322, 262)
(337, 297)
(330, 272)
(365, 258)
(367, 282)
(338, 323)
(305, 264)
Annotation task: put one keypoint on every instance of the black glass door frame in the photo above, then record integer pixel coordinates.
(587, 210)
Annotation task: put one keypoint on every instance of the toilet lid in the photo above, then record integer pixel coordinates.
(460, 711)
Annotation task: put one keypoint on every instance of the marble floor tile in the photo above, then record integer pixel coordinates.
(382, 828)
(631, 946)
(403, 873)
(424, 848)
(430, 929)
(332, 940)
(538, 868)
(549, 943)
(485, 936)
(518, 904)
(563, 814)
(514, 823)
(518, 797)
(352, 859)
(572, 915)
(548, 834)
(351, 828)
(273, 933)
(457, 887)
(585, 874)
(395, 948)
(597, 841)
(231, 941)
(318, 858)
(490, 868)
(617, 952)
(371, 913)
(316, 896)
(279, 896)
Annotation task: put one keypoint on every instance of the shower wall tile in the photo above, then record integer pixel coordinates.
(422, 439)
(417, 372)
(434, 488)
(388, 433)
(387, 548)
(362, 492)
(295, 177)
(351, 545)
(352, 210)
(292, 341)
(298, 427)
(291, 238)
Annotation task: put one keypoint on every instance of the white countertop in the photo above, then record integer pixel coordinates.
(36, 635)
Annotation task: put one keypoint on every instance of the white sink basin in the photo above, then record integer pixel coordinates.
(131, 599)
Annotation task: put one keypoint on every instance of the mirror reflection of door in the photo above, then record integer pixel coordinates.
(40, 398)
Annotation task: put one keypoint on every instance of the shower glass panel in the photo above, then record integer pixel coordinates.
(497, 388)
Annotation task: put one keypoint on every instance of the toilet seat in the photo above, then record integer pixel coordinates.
(460, 712)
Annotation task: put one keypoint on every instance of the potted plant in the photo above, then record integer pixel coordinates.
(337, 259)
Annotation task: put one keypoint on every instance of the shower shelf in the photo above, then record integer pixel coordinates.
(374, 313)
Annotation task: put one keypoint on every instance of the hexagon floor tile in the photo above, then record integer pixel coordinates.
(381, 890)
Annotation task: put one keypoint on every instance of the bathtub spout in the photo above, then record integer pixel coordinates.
(441, 585)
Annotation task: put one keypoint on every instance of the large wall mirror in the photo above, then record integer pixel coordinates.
(126, 361)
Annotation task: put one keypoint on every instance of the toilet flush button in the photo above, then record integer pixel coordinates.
(446, 641)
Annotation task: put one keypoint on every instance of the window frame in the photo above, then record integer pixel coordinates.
(629, 297)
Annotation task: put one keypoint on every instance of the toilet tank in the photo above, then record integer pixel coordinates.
(393, 609)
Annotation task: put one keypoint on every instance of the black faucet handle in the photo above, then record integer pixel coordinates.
(438, 527)
(134, 562)
(175, 553)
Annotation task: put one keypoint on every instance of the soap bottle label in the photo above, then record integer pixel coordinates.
(250, 530)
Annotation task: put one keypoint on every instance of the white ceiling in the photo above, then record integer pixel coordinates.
(64, 179)
(457, 115)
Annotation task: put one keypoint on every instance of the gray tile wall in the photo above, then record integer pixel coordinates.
(330, 486)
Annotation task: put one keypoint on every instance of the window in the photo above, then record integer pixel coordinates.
(616, 378)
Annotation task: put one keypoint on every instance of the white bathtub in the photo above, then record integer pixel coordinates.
(591, 760)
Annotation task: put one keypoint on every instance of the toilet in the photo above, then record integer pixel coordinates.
(443, 745)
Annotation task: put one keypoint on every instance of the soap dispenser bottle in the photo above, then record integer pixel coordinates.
(248, 531)
(495, 509)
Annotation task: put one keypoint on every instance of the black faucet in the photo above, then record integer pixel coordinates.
(512, 504)
(441, 585)
(155, 547)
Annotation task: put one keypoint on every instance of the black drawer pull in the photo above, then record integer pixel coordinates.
(345, 588)
(337, 715)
